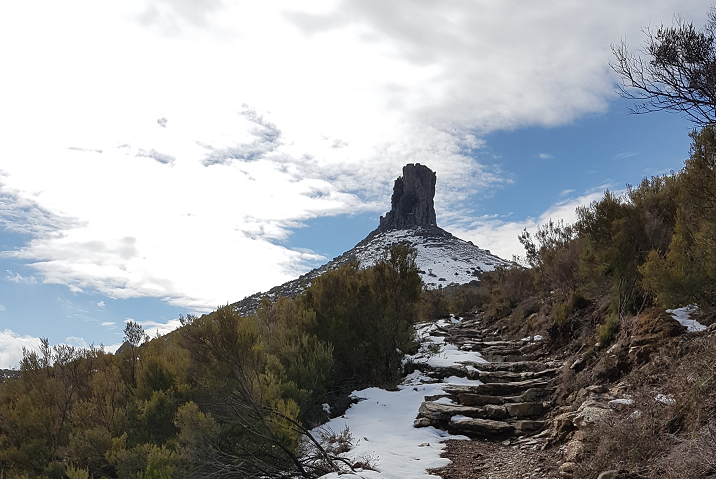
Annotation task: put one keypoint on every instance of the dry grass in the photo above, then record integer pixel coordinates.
(670, 431)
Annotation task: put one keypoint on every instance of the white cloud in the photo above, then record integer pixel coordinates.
(109, 324)
(11, 345)
(100, 304)
(545, 156)
(76, 342)
(500, 237)
(18, 278)
(278, 113)
(112, 348)
(154, 328)
(2, 308)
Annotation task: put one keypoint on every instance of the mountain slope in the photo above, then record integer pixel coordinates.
(442, 258)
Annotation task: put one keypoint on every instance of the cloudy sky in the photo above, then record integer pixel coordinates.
(164, 157)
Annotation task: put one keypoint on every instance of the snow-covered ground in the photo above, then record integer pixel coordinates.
(381, 423)
(448, 354)
(683, 315)
(442, 259)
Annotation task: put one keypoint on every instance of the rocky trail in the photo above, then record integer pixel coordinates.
(504, 414)
(486, 406)
(513, 394)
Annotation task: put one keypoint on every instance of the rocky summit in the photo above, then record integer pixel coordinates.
(412, 201)
(442, 258)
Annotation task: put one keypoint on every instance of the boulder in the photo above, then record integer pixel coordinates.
(422, 422)
(621, 405)
(589, 413)
(575, 448)
(562, 425)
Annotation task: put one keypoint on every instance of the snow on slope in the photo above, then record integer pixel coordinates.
(382, 421)
(683, 316)
(442, 258)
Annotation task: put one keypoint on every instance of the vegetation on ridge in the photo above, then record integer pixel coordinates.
(224, 396)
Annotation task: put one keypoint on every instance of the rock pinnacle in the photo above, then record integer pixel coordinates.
(412, 201)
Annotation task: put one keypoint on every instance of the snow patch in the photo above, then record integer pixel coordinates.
(683, 316)
(382, 425)
(382, 421)
(441, 260)
(666, 399)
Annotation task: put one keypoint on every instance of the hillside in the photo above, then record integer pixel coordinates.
(442, 258)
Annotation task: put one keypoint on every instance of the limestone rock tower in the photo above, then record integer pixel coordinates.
(412, 201)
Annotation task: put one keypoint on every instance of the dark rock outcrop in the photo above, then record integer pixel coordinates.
(412, 201)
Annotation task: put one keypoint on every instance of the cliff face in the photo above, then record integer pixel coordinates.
(412, 201)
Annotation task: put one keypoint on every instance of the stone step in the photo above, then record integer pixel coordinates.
(481, 427)
(524, 409)
(478, 345)
(498, 389)
(439, 412)
(497, 351)
(487, 427)
(508, 376)
(532, 394)
(477, 400)
(519, 366)
(509, 358)
(437, 372)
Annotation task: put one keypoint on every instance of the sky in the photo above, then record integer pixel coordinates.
(165, 157)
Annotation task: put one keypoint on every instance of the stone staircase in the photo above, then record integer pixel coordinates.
(515, 394)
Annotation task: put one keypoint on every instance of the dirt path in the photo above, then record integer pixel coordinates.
(484, 459)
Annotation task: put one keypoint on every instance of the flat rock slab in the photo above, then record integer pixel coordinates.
(519, 366)
(443, 412)
(508, 389)
(485, 427)
(502, 344)
(511, 358)
(496, 412)
(509, 376)
(514, 388)
(531, 395)
(524, 409)
(469, 399)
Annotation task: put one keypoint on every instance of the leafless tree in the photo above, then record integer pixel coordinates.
(678, 73)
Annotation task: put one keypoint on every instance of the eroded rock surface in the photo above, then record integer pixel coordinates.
(412, 201)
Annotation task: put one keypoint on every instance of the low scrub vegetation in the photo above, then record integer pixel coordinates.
(224, 396)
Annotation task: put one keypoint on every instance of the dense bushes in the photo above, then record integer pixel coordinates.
(225, 396)
(652, 245)
(367, 315)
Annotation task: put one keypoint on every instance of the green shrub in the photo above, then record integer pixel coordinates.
(608, 331)
(561, 313)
